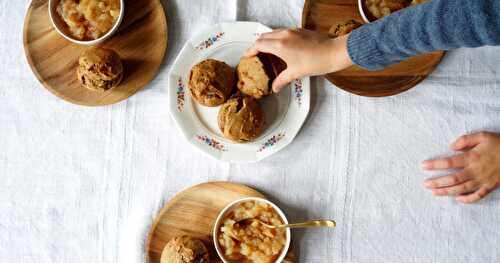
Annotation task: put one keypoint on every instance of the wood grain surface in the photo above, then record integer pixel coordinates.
(141, 43)
(320, 15)
(193, 212)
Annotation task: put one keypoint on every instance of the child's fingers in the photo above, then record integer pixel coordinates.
(251, 51)
(282, 80)
(474, 197)
(278, 33)
(262, 45)
(445, 181)
(468, 141)
(457, 161)
(467, 187)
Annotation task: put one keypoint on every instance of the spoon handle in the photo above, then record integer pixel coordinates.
(314, 223)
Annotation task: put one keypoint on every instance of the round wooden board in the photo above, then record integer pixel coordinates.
(141, 42)
(320, 15)
(193, 212)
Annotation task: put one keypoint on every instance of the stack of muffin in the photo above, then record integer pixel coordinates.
(213, 83)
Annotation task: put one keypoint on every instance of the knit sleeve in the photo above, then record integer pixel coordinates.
(435, 25)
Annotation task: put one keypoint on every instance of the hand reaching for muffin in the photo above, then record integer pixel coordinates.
(306, 53)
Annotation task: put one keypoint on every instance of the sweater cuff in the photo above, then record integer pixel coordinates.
(363, 50)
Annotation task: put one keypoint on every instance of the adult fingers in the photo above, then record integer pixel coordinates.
(263, 45)
(282, 80)
(463, 188)
(468, 141)
(474, 197)
(445, 181)
(457, 161)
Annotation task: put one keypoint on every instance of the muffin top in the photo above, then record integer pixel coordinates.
(241, 119)
(185, 249)
(101, 63)
(253, 80)
(99, 68)
(211, 82)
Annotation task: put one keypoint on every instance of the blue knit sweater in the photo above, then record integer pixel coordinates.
(435, 25)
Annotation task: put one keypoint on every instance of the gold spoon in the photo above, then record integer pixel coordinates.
(313, 223)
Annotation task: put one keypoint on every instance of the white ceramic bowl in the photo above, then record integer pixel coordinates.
(60, 25)
(229, 207)
(362, 12)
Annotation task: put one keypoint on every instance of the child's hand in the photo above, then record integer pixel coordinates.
(305, 52)
(478, 168)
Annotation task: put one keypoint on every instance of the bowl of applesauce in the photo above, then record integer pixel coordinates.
(252, 242)
(86, 22)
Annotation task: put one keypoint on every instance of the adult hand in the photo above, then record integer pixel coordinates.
(306, 53)
(478, 168)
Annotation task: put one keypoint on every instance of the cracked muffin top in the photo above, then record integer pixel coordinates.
(241, 119)
(211, 82)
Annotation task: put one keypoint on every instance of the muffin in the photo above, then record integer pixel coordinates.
(345, 28)
(211, 82)
(185, 249)
(99, 69)
(241, 119)
(256, 74)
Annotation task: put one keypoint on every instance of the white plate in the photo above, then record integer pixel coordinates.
(284, 113)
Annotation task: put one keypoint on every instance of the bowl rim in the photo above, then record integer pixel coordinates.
(361, 8)
(226, 209)
(52, 14)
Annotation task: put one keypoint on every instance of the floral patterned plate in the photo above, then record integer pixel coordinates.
(284, 112)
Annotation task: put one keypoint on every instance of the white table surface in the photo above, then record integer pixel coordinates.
(81, 184)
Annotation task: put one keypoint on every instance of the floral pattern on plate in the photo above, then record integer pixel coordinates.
(297, 88)
(180, 94)
(210, 41)
(271, 141)
(211, 142)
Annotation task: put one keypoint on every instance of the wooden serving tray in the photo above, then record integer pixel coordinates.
(320, 15)
(193, 212)
(141, 43)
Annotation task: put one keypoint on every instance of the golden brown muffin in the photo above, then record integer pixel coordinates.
(99, 69)
(253, 80)
(185, 249)
(211, 82)
(256, 74)
(241, 119)
(345, 28)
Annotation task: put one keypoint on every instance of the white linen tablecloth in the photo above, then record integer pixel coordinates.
(81, 184)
